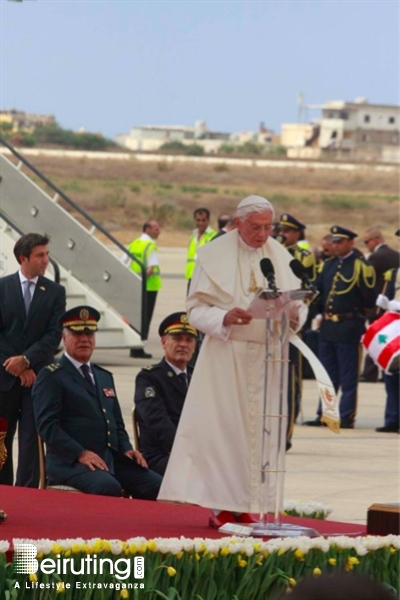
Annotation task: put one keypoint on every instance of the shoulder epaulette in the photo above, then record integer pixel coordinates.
(53, 367)
(387, 276)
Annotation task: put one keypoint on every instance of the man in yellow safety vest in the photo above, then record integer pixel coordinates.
(200, 236)
(144, 249)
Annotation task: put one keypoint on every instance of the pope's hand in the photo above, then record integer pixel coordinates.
(237, 316)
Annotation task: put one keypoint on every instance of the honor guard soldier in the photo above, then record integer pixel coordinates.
(161, 391)
(292, 232)
(79, 418)
(346, 292)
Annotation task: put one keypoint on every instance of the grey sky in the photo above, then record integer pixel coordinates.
(108, 65)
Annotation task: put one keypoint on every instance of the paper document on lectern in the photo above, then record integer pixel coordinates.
(258, 309)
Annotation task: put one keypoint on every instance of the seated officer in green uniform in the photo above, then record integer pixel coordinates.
(161, 391)
(79, 417)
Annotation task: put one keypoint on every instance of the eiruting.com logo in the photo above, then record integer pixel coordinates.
(25, 562)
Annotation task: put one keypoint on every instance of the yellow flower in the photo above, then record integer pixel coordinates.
(259, 559)
(97, 546)
(332, 561)
(317, 572)
(32, 577)
(225, 551)
(350, 562)
(132, 548)
(171, 571)
(76, 548)
(197, 556)
(242, 563)
(39, 555)
(392, 550)
(292, 582)
(257, 546)
(124, 594)
(152, 545)
(265, 553)
(299, 554)
(106, 546)
(60, 588)
(179, 555)
(281, 551)
(143, 548)
(56, 548)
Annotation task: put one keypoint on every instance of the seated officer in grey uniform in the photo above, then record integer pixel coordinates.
(79, 417)
(161, 391)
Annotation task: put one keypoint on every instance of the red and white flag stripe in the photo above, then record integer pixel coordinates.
(382, 339)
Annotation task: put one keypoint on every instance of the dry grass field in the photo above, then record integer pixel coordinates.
(121, 195)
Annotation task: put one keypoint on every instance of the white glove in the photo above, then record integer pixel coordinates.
(394, 305)
(382, 301)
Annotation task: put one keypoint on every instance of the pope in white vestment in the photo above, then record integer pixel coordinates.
(215, 460)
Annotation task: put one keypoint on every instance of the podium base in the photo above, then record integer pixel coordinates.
(284, 530)
(267, 530)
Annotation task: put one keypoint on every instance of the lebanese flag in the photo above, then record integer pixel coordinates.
(382, 340)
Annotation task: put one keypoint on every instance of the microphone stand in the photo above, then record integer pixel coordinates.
(274, 415)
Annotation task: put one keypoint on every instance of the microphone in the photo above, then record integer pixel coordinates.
(301, 273)
(267, 269)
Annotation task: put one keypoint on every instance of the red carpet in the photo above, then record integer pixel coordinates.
(35, 514)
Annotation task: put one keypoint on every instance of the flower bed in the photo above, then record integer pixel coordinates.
(180, 568)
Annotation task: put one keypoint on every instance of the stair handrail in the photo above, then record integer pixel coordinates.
(88, 218)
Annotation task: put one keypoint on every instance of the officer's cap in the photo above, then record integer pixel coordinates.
(290, 222)
(176, 323)
(80, 319)
(341, 233)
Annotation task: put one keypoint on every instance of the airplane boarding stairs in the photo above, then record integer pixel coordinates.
(90, 272)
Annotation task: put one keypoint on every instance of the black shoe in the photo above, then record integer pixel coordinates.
(387, 429)
(315, 423)
(346, 425)
(139, 353)
(364, 379)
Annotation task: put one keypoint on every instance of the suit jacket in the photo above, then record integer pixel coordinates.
(383, 259)
(72, 415)
(37, 335)
(159, 399)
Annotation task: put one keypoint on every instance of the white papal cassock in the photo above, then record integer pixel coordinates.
(215, 460)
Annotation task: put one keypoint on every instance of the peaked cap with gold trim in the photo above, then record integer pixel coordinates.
(80, 319)
(288, 221)
(176, 323)
(341, 233)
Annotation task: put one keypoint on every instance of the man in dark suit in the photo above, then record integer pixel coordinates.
(30, 306)
(79, 417)
(346, 285)
(161, 391)
(382, 258)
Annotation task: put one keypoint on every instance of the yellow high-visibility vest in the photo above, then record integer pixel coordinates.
(142, 250)
(194, 243)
